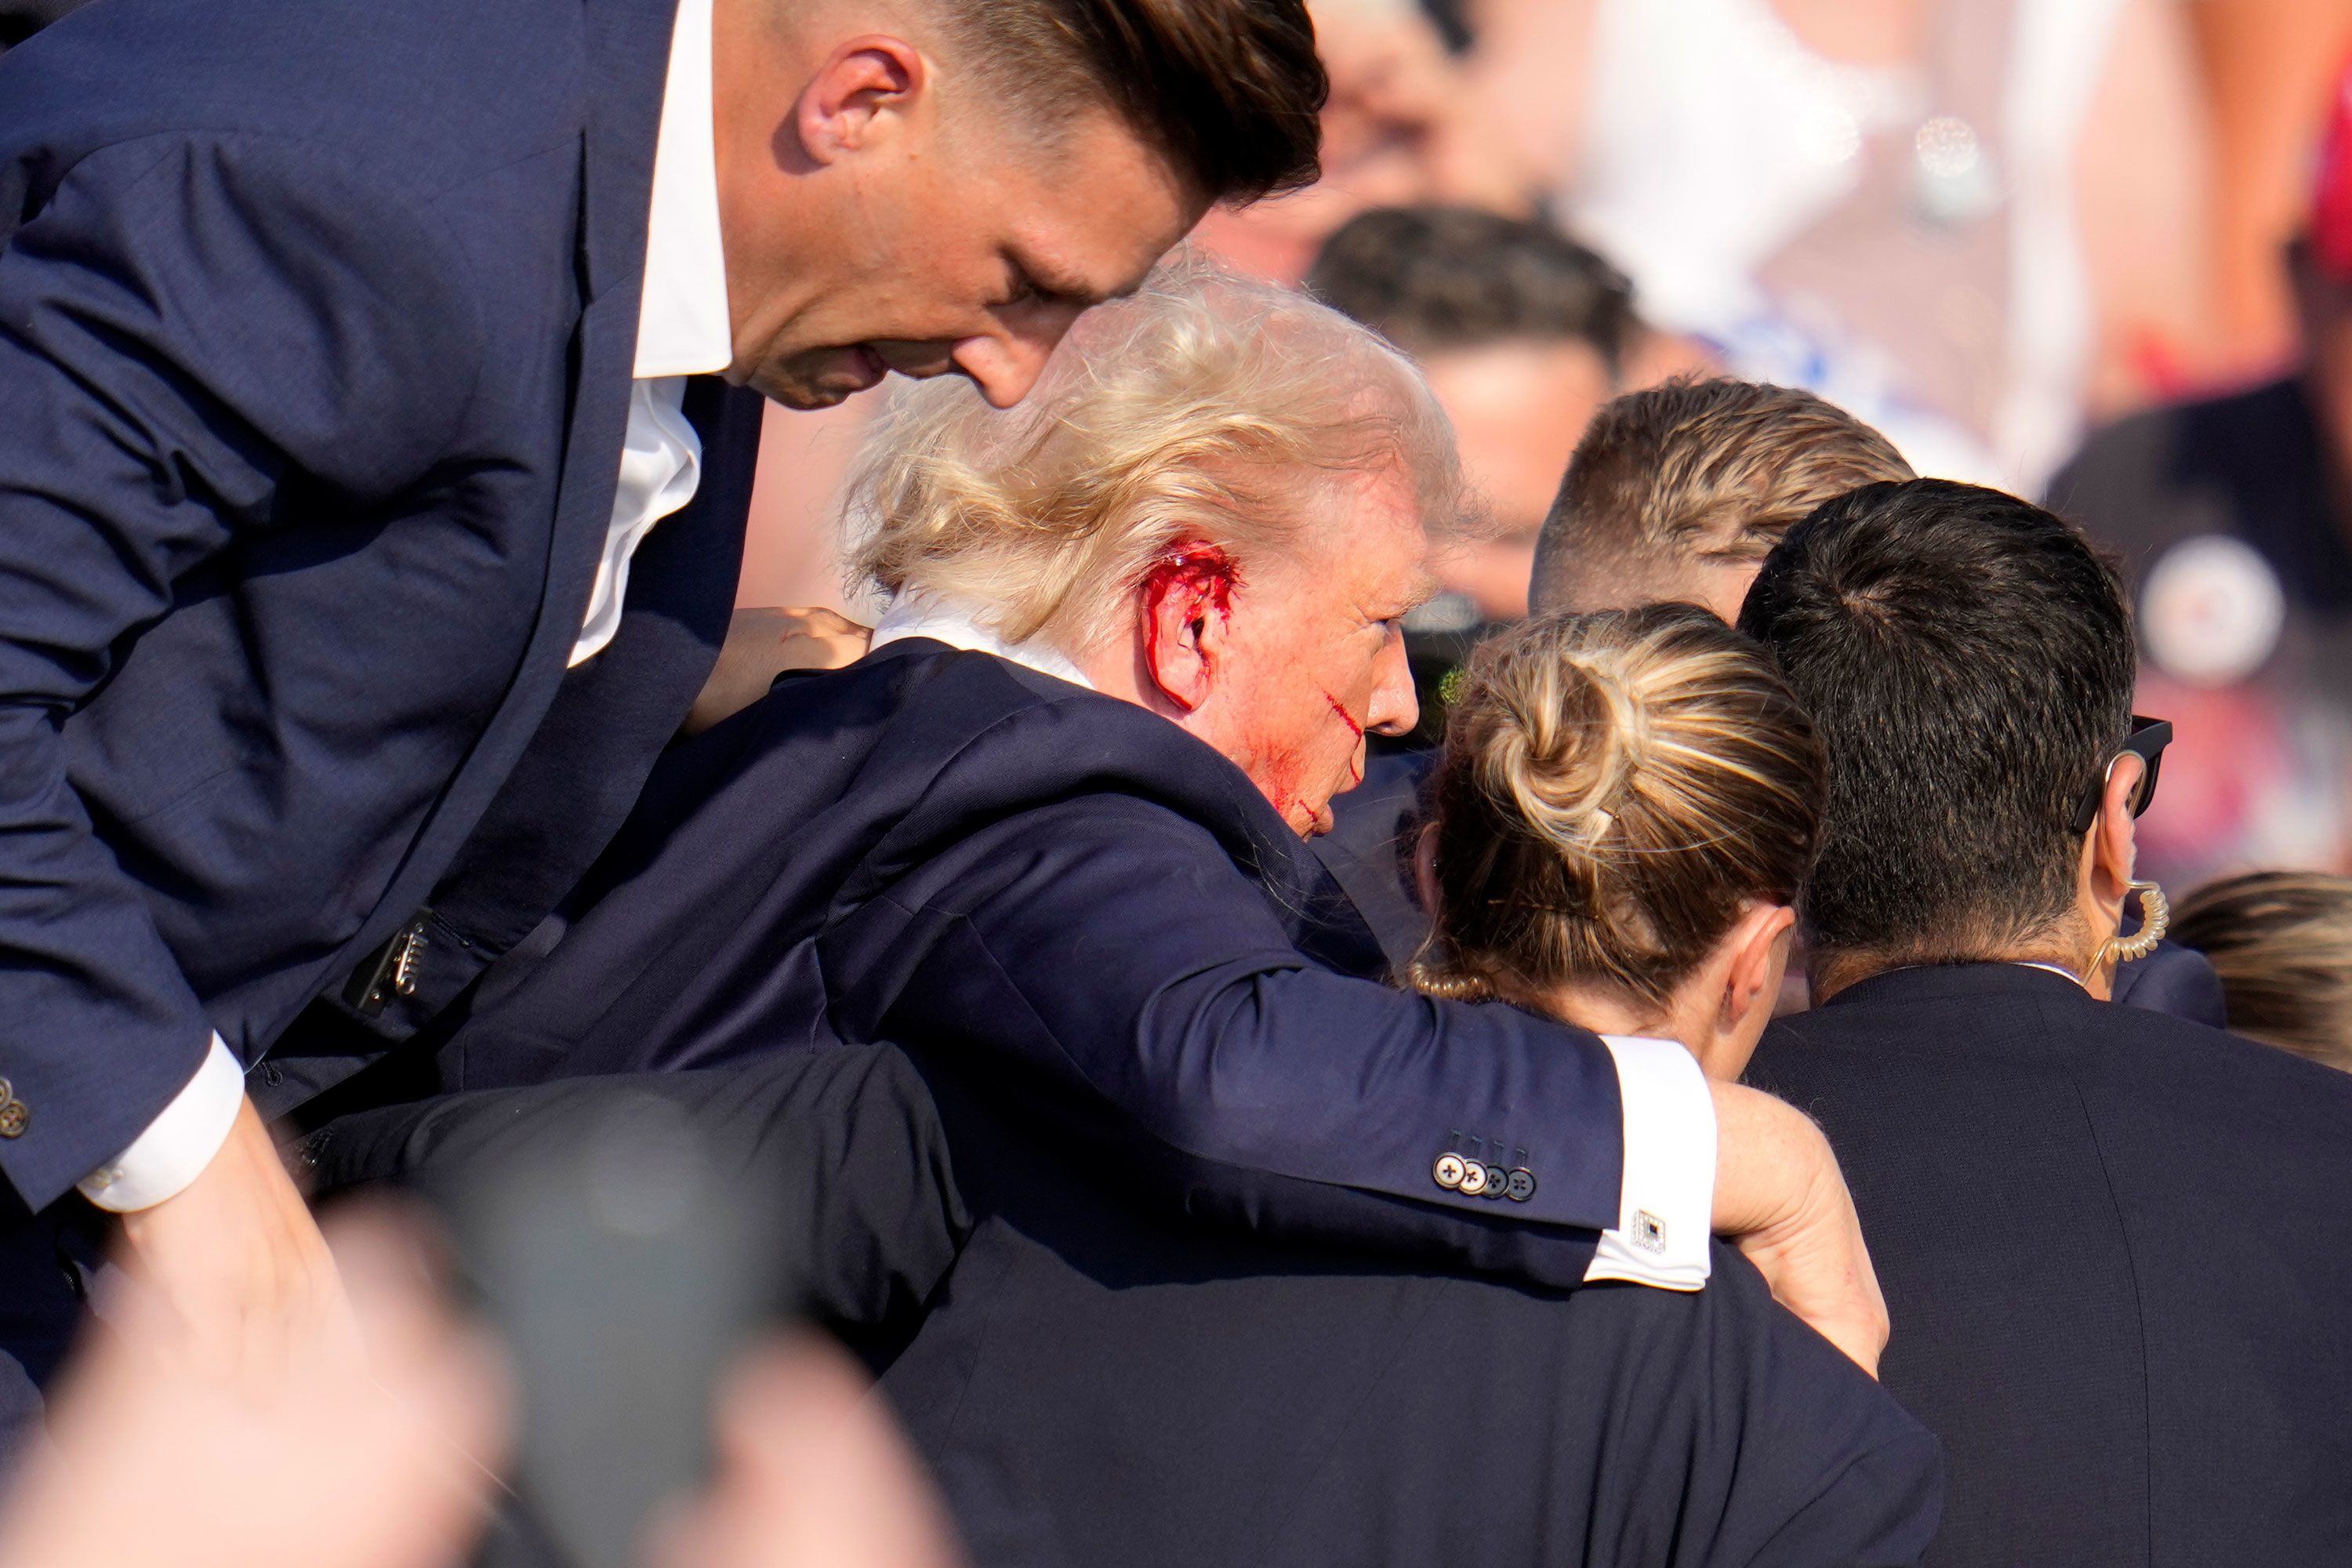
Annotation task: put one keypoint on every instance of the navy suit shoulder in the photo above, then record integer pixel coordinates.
(1068, 896)
(2111, 1241)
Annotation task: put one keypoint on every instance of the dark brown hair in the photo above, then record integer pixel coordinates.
(2281, 943)
(1969, 658)
(1430, 279)
(1614, 788)
(1710, 465)
(1231, 91)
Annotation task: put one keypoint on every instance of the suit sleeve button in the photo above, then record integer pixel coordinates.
(1474, 1178)
(1521, 1186)
(1448, 1171)
(1497, 1180)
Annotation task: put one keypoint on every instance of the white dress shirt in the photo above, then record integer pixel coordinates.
(682, 330)
(1665, 1206)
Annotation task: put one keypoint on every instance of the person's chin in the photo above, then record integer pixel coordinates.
(823, 377)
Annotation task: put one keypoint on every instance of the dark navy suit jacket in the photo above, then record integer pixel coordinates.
(1071, 897)
(1092, 1385)
(2116, 1247)
(316, 327)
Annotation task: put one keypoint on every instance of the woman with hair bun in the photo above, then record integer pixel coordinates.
(1625, 808)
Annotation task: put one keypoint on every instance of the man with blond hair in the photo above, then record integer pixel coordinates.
(1679, 491)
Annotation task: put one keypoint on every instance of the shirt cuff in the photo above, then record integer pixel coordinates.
(178, 1144)
(1666, 1204)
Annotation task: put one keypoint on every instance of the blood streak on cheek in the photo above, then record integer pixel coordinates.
(1355, 764)
(1200, 578)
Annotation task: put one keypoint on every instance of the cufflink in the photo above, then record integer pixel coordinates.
(1649, 1231)
(1448, 1171)
(1474, 1179)
(1521, 1186)
(15, 1115)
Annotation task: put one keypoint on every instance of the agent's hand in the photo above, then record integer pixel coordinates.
(1780, 1198)
(236, 1259)
(762, 644)
(328, 1451)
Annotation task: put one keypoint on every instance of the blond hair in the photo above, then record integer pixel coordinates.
(1614, 788)
(2282, 943)
(1695, 465)
(1197, 410)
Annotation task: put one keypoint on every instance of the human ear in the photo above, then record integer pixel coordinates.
(861, 88)
(2113, 851)
(1755, 957)
(1424, 866)
(1185, 608)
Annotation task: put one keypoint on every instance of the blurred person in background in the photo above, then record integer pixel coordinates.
(376, 420)
(2268, 67)
(1399, 129)
(2282, 942)
(1522, 333)
(1626, 806)
(2233, 518)
(2116, 1242)
(1964, 221)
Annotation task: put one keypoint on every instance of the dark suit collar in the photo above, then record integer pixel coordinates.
(1958, 982)
(628, 65)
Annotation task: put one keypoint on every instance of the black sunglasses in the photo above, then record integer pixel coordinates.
(2147, 741)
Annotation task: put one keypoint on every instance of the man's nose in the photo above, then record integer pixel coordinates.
(1396, 708)
(1005, 368)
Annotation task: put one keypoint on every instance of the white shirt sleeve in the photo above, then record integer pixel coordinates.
(1667, 1206)
(178, 1144)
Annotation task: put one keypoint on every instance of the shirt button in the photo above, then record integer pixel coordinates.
(1474, 1179)
(1448, 1171)
(1521, 1186)
(1497, 1180)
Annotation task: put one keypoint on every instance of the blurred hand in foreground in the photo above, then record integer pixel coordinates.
(810, 1471)
(370, 1437)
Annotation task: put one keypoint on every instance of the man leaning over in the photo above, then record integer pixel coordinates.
(379, 388)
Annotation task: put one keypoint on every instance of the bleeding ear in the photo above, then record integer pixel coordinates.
(1184, 608)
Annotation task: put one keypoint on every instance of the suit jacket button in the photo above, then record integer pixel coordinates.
(1448, 1171)
(1497, 1180)
(1474, 1178)
(13, 1118)
(1521, 1186)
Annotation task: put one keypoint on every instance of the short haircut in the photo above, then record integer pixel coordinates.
(1196, 410)
(1699, 466)
(1229, 90)
(1430, 279)
(2282, 943)
(1614, 787)
(1968, 658)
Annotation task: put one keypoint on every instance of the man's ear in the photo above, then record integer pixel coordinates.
(2112, 851)
(1185, 608)
(863, 86)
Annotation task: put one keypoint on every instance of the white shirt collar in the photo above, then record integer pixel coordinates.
(944, 620)
(682, 325)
